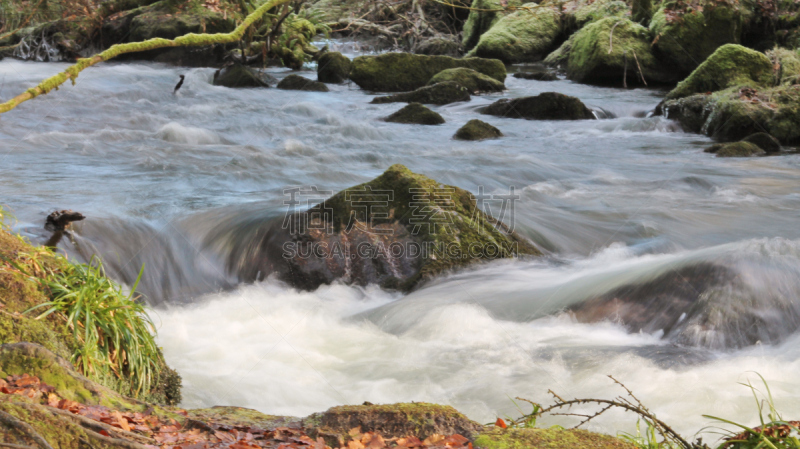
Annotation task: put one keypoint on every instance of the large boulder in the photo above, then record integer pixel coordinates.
(474, 81)
(238, 75)
(403, 72)
(731, 65)
(388, 231)
(333, 67)
(439, 93)
(687, 33)
(545, 106)
(477, 130)
(297, 82)
(613, 51)
(522, 36)
(579, 13)
(415, 114)
(482, 16)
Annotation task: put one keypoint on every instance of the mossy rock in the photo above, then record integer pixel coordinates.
(474, 81)
(333, 67)
(560, 56)
(556, 438)
(360, 243)
(418, 419)
(522, 36)
(788, 65)
(764, 141)
(537, 76)
(238, 75)
(417, 114)
(731, 65)
(440, 93)
(579, 13)
(735, 149)
(240, 416)
(596, 59)
(685, 35)
(545, 106)
(439, 45)
(403, 72)
(482, 16)
(477, 130)
(297, 82)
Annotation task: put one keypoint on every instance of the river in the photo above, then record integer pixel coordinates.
(166, 180)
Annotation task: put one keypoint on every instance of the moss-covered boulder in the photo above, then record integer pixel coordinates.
(238, 75)
(474, 81)
(403, 72)
(787, 63)
(396, 242)
(477, 130)
(735, 149)
(417, 419)
(482, 16)
(524, 35)
(440, 93)
(542, 75)
(545, 106)
(297, 82)
(764, 141)
(686, 33)
(560, 56)
(600, 56)
(731, 65)
(415, 114)
(579, 13)
(333, 67)
(554, 438)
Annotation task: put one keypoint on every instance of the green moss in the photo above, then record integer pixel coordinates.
(474, 81)
(482, 16)
(440, 93)
(764, 141)
(402, 72)
(59, 432)
(560, 56)
(417, 114)
(239, 416)
(685, 35)
(604, 51)
(738, 149)
(642, 11)
(579, 13)
(731, 65)
(159, 21)
(524, 35)
(477, 130)
(333, 67)
(787, 63)
(556, 438)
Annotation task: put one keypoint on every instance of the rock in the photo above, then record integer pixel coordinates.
(545, 106)
(591, 62)
(238, 75)
(240, 416)
(560, 56)
(333, 67)
(439, 46)
(482, 16)
(552, 438)
(59, 40)
(787, 63)
(764, 141)
(380, 244)
(417, 419)
(403, 72)
(417, 114)
(686, 34)
(477, 130)
(731, 65)
(522, 36)
(474, 81)
(642, 11)
(439, 93)
(579, 13)
(537, 76)
(735, 149)
(297, 82)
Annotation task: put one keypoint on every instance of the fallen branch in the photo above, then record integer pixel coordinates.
(191, 39)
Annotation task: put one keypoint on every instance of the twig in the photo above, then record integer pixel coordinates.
(642, 76)
(611, 37)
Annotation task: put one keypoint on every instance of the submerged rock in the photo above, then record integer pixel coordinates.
(764, 141)
(729, 66)
(388, 231)
(474, 81)
(439, 93)
(238, 75)
(297, 82)
(600, 56)
(415, 114)
(333, 67)
(477, 130)
(735, 149)
(537, 76)
(524, 35)
(403, 72)
(545, 106)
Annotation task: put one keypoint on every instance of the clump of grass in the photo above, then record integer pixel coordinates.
(113, 330)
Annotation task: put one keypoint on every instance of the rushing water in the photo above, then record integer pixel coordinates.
(167, 180)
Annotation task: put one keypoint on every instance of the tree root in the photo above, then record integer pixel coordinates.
(24, 428)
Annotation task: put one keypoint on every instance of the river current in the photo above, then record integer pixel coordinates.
(166, 179)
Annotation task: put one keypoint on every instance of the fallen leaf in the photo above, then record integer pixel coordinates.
(500, 423)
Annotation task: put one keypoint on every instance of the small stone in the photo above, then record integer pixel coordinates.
(416, 113)
(297, 82)
(441, 93)
(537, 76)
(333, 67)
(764, 141)
(545, 106)
(477, 130)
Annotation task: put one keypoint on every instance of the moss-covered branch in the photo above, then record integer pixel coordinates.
(191, 39)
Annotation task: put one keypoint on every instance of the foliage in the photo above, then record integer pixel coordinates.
(113, 330)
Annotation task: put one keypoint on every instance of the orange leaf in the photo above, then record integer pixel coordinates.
(500, 423)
